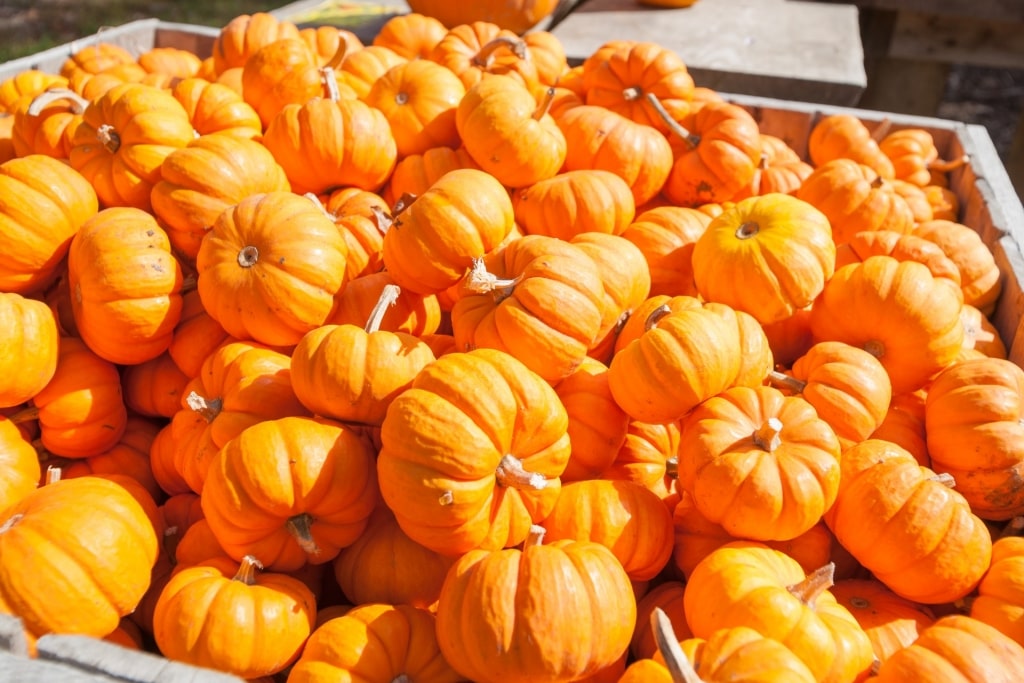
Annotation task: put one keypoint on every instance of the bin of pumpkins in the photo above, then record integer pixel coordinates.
(435, 359)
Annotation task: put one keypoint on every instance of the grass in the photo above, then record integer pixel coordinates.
(28, 26)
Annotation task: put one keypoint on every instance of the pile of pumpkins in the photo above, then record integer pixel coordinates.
(435, 359)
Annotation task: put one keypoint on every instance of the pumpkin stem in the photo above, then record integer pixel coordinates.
(691, 139)
(10, 522)
(330, 83)
(311, 196)
(209, 409)
(816, 583)
(747, 229)
(109, 138)
(632, 93)
(338, 58)
(188, 283)
(679, 667)
(875, 348)
(535, 537)
(655, 317)
(26, 414)
(401, 678)
(53, 475)
(781, 380)
(1013, 528)
(944, 478)
(545, 104)
(446, 498)
(882, 129)
(945, 166)
(766, 436)
(402, 203)
(78, 103)
(672, 467)
(382, 218)
(485, 56)
(510, 472)
(388, 297)
(299, 527)
(480, 281)
(248, 256)
(247, 570)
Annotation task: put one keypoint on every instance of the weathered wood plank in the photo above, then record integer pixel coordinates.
(955, 39)
(795, 50)
(995, 10)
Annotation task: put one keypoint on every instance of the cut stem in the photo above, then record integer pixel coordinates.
(247, 570)
(208, 408)
(109, 138)
(300, 527)
(816, 583)
(655, 316)
(781, 380)
(480, 281)
(511, 473)
(535, 537)
(767, 435)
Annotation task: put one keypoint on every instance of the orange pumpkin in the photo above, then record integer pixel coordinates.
(30, 354)
(843, 136)
(891, 622)
(981, 281)
(216, 108)
(517, 16)
(472, 50)
(667, 235)
(285, 71)
(20, 462)
(411, 35)
(243, 35)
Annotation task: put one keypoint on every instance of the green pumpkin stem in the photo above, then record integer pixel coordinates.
(679, 667)
(388, 297)
(209, 409)
(511, 473)
(247, 570)
(767, 435)
(781, 380)
(78, 103)
(816, 583)
(299, 527)
(691, 139)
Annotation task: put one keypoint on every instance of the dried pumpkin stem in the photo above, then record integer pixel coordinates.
(816, 583)
(208, 408)
(545, 104)
(511, 473)
(632, 93)
(672, 467)
(944, 478)
(44, 99)
(943, 166)
(300, 527)
(382, 219)
(402, 203)
(10, 522)
(691, 139)
(781, 380)
(882, 129)
(485, 56)
(109, 138)
(388, 297)
(679, 667)
(535, 536)
(480, 281)
(311, 196)
(747, 229)
(401, 678)
(655, 317)
(338, 58)
(330, 83)
(24, 415)
(53, 475)
(247, 570)
(767, 436)
(875, 348)
(248, 256)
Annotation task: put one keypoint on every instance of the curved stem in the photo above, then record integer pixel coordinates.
(485, 56)
(299, 527)
(208, 408)
(511, 473)
(781, 380)
(679, 667)
(78, 103)
(388, 297)
(330, 83)
(545, 104)
(655, 317)
(767, 435)
(816, 583)
(338, 58)
(247, 570)
(950, 165)
(691, 139)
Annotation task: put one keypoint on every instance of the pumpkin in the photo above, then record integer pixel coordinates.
(312, 487)
(411, 313)
(324, 143)
(667, 235)
(238, 385)
(285, 71)
(154, 388)
(648, 456)
(519, 302)
(434, 239)
(574, 202)
(599, 138)
(597, 426)
(780, 169)
(95, 58)
(844, 136)
(266, 284)
(891, 622)
(508, 134)
(980, 277)
(200, 181)
(46, 123)
(415, 173)
(623, 76)
(668, 597)
(128, 458)
(847, 386)
(411, 35)
(905, 524)
(515, 613)
(904, 425)
(326, 41)
(216, 108)
(517, 16)
(376, 567)
(956, 646)
(27, 83)
(20, 462)
(196, 335)
(123, 139)
(792, 607)
(902, 247)
(161, 458)
(244, 34)
(998, 601)
(30, 348)
(896, 311)
(45, 204)
(86, 540)
(240, 622)
(375, 642)
(627, 518)
(356, 69)
(81, 411)
(973, 424)
(126, 285)
(769, 256)
(980, 334)
(914, 155)
(472, 50)
(458, 466)
(350, 373)
(761, 464)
